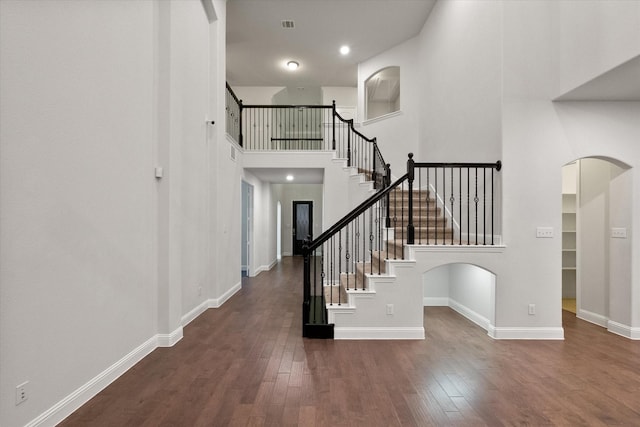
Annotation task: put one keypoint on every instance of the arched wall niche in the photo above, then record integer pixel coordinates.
(382, 92)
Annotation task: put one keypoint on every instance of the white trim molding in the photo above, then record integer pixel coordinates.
(193, 314)
(382, 333)
(169, 340)
(626, 331)
(217, 302)
(435, 301)
(594, 318)
(533, 333)
(265, 267)
(473, 316)
(82, 395)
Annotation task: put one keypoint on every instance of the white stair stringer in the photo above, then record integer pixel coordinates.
(364, 315)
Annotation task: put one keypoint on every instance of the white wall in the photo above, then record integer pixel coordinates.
(263, 254)
(539, 137)
(77, 192)
(397, 134)
(468, 289)
(436, 286)
(256, 95)
(594, 37)
(593, 229)
(187, 170)
(101, 260)
(344, 96)
(460, 81)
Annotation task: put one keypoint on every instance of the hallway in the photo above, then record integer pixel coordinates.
(247, 364)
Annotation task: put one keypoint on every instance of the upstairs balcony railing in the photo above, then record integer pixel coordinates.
(304, 128)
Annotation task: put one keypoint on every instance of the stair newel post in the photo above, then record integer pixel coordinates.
(240, 123)
(350, 122)
(333, 126)
(306, 303)
(387, 183)
(410, 174)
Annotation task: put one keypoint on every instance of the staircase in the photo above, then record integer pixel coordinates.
(363, 269)
(377, 274)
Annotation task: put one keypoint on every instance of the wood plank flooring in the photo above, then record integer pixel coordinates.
(246, 364)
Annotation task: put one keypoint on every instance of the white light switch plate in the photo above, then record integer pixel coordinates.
(619, 233)
(544, 232)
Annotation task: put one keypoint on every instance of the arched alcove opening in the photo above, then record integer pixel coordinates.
(382, 92)
(466, 288)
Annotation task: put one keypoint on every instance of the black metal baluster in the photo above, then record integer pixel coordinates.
(475, 200)
(436, 215)
(428, 206)
(323, 276)
(468, 207)
(371, 231)
(420, 206)
(339, 266)
(444, 207)
(492, 231)
(452, 200)
(330, 268)
(484, 205)
(460, 202)
(356, 257)
(347, 256)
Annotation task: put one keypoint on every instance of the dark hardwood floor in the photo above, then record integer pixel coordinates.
(246, 364)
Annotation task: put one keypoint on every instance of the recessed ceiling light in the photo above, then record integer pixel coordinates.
(289, 177)
(345, 50)
(292, 65)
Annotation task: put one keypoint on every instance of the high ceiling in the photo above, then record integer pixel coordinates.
(258, 46)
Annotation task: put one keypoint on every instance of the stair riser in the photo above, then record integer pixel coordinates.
(420, 222)
(430, 233)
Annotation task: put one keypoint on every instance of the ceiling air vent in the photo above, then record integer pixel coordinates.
(287, 23)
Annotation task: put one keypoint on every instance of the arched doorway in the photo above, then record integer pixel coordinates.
(596, 253)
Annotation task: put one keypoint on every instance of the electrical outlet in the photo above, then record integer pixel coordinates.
(21, 393)
(544, 232)
(389, 309)
(532, 309)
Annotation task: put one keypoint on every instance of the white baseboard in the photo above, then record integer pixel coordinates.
(286, 254)
(265, 267)
(475, 317)
(626, 331)
(193, 314)
(435, 301)
(82, 395)
(594, 318)
(217, 302)
(169, 340)
(372, 333)
(534, 333)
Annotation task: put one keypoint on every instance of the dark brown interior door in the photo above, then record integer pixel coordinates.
(302, 224)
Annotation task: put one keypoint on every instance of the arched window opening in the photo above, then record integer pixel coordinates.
(382, 92)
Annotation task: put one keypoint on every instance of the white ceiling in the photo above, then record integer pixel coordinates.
(279, 175)
(258, 46)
